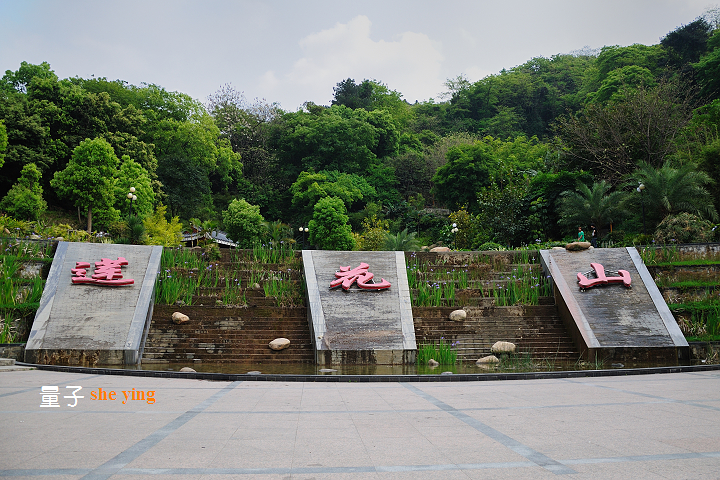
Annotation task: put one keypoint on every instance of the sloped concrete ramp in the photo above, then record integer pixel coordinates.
(359, 326)
(612, 322)
(91, 324)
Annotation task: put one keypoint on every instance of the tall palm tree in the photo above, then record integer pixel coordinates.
(669, 190)
(403, 241)
(587, 206)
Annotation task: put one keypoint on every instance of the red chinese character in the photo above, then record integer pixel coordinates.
(107, 272)
(623, 276)
(360, 275)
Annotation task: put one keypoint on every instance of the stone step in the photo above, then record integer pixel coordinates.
(7, 362)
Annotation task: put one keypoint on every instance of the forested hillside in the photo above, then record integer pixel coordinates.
(623, 138)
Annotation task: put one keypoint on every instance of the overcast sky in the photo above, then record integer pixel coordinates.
(295, 51)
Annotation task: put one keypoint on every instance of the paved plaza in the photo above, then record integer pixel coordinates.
(663, 426)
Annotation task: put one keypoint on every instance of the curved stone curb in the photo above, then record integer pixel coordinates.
(460, 377)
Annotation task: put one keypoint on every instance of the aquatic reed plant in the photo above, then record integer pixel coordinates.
(233, 294)
(273, 252)
(444, 352)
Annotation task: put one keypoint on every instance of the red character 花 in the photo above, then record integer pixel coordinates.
(360, 275)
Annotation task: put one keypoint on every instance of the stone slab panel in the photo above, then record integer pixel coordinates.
(612, 316)
(349, 322)
(82, 324)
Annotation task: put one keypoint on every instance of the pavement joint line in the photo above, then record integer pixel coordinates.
(360, 469)
(115, 464)
(355, 412)
(649, 395)
(38, 387)
(523, 450)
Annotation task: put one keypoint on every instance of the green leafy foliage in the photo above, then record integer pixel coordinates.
(243, 223)
(590, 206)
(670, 190)
(3, 142)
(158, 231)
(402, 242)
(329, 229)
(683, 228)
(24, 200)
(89, 179)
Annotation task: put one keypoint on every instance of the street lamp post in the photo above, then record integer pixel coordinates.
(640, 189)
(132, 197)
(303, 230)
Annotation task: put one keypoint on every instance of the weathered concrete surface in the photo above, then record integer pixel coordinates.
(359, 326)
(611, 320)
(90, 324)
(649, 427)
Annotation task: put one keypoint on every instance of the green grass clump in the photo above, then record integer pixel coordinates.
(443, 352)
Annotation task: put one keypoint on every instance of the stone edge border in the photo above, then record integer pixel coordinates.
(460, 377)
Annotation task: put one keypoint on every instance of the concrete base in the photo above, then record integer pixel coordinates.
(359, 326)
(611, 322)
(91, 325)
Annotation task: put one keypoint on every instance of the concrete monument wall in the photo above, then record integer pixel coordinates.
(612, 321)
(91, 324)
(359, 326)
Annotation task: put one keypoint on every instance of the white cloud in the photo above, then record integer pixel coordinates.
(410, 64)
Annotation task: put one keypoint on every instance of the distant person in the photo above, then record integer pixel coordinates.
(593, 236)
(581, 235)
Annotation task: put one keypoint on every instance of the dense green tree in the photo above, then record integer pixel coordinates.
(246, 126)
(28, 140)
(158, 231)
(89, 178)
(473, 167)
(187, 186)
(503, 215)
(611, 140)
(467, 170)
(335, 138)
(243, 223)
(670, 190)
(594, 205)
(687, 43)
(371, 95)
(24, 201)
(19, 80)
(707, 69)
(619, 82)
(311, 187)
(525, 99)
(544, 193)
(3, 142)
(132, 174)
(329, 229)
(402, 242)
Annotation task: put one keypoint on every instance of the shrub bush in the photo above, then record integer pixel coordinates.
(683, 228)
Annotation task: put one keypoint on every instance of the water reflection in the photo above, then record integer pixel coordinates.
(310, 369)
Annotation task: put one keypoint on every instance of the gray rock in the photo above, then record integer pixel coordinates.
(433, 363)
(503, 347)
(187, 369)
(487, 360)
(179, 318)
(441, 249)
(577, 246)
(458, 315)
(279, 344)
